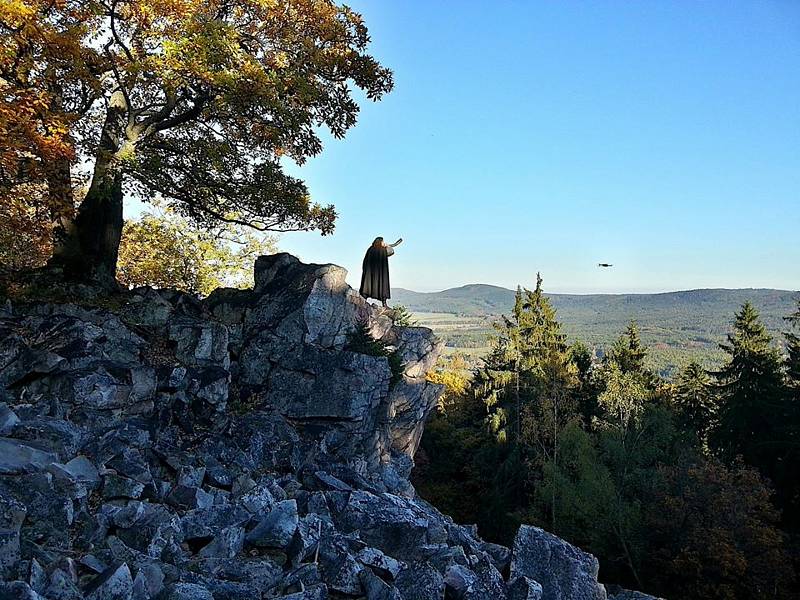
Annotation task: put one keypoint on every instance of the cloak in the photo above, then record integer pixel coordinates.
(375, 273)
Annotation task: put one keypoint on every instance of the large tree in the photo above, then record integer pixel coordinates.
(752, 396)
(195, 101)
(695, 401)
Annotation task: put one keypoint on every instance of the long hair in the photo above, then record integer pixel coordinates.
(378, 242)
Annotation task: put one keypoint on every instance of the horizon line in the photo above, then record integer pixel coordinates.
(651, 293)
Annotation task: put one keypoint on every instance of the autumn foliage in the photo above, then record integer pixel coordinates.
(193, 101)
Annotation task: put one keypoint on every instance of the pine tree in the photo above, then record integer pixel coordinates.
(751, 395)
(526, 383)
(529, 354)
(628, 352)
(696, 401)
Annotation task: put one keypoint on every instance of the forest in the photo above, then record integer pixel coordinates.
(677, 327)
(684, 488)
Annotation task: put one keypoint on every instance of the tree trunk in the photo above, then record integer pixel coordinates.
(99, 227)
(90, 246)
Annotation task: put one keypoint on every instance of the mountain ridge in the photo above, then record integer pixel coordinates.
(677, 327)
(480, 296)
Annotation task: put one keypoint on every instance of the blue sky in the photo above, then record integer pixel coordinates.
(663, 137)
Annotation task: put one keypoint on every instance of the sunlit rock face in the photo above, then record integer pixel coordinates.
(294, 359)
(235, 448)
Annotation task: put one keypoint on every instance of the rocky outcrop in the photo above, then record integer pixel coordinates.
(236, 447)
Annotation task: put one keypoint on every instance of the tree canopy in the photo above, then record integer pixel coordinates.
(195, 101)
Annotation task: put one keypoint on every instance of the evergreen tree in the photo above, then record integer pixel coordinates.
(751, 395)
(526, 384)
(586, 391)
(529, 354)
(695, 401)
(628, 352)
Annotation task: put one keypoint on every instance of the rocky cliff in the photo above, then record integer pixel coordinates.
(238, 447)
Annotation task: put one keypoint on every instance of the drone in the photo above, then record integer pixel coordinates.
(604, 265)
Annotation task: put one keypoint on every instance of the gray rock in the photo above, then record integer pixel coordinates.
(226, 544)
(420, 581)
(188, 497)
(116, 486)
(199, 343)
(8, 419)
(37, 577)
(12, 514)
(153, 532)
(127, 516)
(564, 571)
(90, 561)
(132, 464)
(148, 583)
(84, 471)
(17, 457)
(418, 349)
(500, 555)
(62, 587)
(490, 578)
(318, 504)
(207, 522)
(340, 571)
(259, 499)
(147, 307)
(523, 588)
(377, 589)
(390, 523)
(276, 529)
(461, 583)
(191, 476)
(408, 406)
(384, 566)
(307, 537)
(314, 429)
(18, 590)
(113, 584)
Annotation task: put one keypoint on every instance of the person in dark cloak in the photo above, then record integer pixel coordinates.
(375, 270)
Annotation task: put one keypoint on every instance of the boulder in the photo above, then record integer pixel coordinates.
(8, 419)
(390, 523)
(17, 457)
(12, 514)
(276, 529)
(564, 571)
(420, 581)
(377, 589)
(18, 590)
(523, 588)
(113, 584)
(62, 587)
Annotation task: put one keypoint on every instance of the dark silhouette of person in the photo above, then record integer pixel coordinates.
(375, 270)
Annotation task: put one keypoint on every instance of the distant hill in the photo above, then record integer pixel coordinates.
(677, 326)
